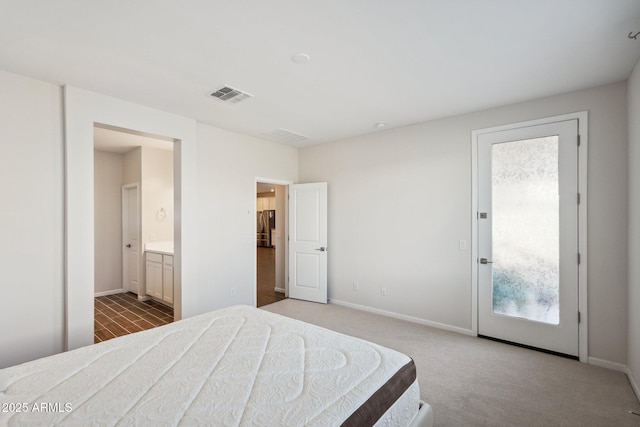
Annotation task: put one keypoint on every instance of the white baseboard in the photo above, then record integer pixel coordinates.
(634, 384)
(281, 290)
(620, 368)
(609, 365)
(111, 292)
(399, 316)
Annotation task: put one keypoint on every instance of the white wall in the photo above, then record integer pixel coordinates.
(132, 169)
(215, 240)
(108, 172)
(400, 201)
(157, 192)
(31, 229)
(634, 228)
(228, 164)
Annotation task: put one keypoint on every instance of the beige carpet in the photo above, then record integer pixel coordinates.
(476, 382)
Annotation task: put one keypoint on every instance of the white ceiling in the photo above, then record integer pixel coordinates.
(396, 62)
(116, 140)
(263, 187)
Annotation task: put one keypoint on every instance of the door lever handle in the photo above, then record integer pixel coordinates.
(485, 261)
(129, 245)
(321, 249)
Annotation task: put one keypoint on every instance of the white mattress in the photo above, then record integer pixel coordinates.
(235, 366)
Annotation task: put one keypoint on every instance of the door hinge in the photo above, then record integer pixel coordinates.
(579, 258)
(578, 140)
(578, 198)
(579, 317)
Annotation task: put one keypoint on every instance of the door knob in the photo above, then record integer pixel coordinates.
(485, 261)
(321, 249)
(129, 245)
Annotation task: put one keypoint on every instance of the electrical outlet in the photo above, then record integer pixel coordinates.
(462, 245)
(355, 286)
(383, 292)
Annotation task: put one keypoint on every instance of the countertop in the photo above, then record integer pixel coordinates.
(165, 248)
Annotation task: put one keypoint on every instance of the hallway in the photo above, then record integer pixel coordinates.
(266, 265)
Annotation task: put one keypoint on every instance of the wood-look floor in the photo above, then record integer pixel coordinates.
(267, 277)
(122, 314)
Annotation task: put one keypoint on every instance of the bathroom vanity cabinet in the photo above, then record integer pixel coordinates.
(159, 277)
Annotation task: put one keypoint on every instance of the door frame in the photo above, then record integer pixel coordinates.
(582, 117)
(125, 233)
(286, 184)
(83, 109)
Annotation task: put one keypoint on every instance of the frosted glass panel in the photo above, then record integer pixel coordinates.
(525, 211)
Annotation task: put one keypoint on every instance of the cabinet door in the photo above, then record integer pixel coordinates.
(148, 278)
(154, 279)
(167, 283)
(259, 203)
(272, 203)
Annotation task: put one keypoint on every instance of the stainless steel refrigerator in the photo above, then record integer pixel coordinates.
(266, 221)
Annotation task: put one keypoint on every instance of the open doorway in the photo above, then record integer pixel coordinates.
(83, 109)
(270, 242)
(133, 231)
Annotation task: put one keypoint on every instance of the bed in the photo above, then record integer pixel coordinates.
(235, 366)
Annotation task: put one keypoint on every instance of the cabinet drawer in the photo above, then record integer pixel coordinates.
(168, 259)
(154, 257)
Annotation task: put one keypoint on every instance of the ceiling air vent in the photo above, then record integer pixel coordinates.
(230, 95)
(285, 136)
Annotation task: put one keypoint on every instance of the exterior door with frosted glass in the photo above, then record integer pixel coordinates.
(528, 236)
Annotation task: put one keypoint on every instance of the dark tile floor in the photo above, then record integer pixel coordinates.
(122, 314)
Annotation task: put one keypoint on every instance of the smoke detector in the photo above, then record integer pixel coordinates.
(230, 95)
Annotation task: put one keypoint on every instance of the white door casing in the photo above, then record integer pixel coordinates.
(308, 242)
(562, 337)
(282, 249)
(131, 260)
(83, 110)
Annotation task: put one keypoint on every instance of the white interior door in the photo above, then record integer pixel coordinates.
(528, 236)
(131, 239)
(308, 242)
